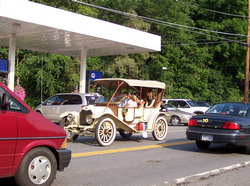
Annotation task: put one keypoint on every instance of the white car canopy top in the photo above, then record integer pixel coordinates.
(129, 83)
(33, 26)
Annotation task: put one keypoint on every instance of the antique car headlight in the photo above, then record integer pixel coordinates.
(89, 119)
(70, 117)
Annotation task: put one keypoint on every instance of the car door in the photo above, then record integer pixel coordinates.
(75, 103)
(8, 139)
(183, 106)
(49, 107)
(63, 106)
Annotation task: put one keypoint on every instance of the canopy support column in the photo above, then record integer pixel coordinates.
(83, 70)
(12, 52)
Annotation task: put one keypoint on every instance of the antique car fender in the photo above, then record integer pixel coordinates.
(74, 113)
(152, 119)
(118, 122)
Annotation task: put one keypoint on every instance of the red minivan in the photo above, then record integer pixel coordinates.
(32, 148)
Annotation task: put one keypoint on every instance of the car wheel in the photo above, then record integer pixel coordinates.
(70, 135)
(124, 133)
(160, 129)
(175, 120)
(247, 149)
(202, 145)
(105, 132)
(38, 167)
(39, 112)
(198, 113)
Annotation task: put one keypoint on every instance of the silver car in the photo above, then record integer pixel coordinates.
(54, 107)
(174, 115)
(186, 105)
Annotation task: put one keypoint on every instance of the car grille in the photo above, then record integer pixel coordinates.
(83, 115)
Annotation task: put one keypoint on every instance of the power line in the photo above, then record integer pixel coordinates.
(164, 23)
(201, 43)
(235, 15)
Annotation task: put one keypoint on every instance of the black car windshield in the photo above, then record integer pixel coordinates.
(235, 109)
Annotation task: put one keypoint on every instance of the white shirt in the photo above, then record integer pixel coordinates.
(132, 103)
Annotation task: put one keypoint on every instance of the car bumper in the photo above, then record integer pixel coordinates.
(184, 120)
(234, 137)
(64, 156)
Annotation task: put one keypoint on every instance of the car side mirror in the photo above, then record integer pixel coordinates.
(5, 100)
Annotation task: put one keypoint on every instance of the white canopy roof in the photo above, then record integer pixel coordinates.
(129, 83)
(47, 29)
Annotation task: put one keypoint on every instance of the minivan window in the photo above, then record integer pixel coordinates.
(50, 101)
(91, 100)
(61, 100)
(74, 100)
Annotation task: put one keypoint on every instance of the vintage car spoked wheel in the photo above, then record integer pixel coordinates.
(124, 133)
(70, 135)
(38, 167)
(160, 129)
(175, 121)
(202, 145)
(105, 132)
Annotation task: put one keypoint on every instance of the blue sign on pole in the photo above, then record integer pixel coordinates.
(4, 65)
(95, 75)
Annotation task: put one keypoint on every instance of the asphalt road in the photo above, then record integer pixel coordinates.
(140, 162)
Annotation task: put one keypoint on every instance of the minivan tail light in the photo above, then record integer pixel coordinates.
(192, 122)
(231, 126)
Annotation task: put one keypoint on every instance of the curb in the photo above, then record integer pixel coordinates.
(206, 175)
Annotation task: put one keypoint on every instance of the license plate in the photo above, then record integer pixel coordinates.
(206, 137)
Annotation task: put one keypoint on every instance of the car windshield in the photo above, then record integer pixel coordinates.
(192, 103)
(236, 109)
(171, 107)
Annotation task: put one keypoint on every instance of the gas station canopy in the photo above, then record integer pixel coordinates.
(47, 29)
(33, 26)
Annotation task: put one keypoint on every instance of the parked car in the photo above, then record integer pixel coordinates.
(175, 116)
(108, 115)
(203, 103)
(56, 105)
(186, 105)
(223, 123)
(32, 148)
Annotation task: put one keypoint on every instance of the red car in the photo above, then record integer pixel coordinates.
(32, 148)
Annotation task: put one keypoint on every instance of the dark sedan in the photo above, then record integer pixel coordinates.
(223, 123)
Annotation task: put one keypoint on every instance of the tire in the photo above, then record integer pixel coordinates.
(175, 121)
(199, 113)
(39, 112)
(160, 129)
(202, 145)
(247, 149)
(70, 136)
(105, 132)
(38, 167)
(125, 134)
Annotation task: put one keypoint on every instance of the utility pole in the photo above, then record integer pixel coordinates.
(247, 58)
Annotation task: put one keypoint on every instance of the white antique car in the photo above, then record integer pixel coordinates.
(107, 116)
